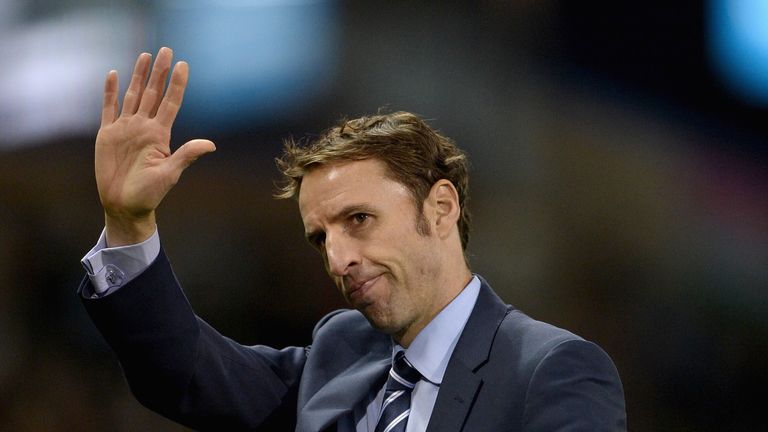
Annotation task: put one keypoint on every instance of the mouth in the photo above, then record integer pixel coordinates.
(357, 290)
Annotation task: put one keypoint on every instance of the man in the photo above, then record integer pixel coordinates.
(429, 345)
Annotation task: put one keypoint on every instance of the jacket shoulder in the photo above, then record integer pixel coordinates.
(528, 333)
(346, 331)
(341, 320)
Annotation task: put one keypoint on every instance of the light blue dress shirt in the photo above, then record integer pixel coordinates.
(429, 354)
(111, 268)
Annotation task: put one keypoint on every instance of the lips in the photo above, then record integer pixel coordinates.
(357, 290)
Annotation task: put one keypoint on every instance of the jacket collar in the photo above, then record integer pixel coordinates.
(458, 390)
(461, 383)
(339, 396)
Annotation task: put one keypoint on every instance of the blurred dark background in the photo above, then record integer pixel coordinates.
(619, 182)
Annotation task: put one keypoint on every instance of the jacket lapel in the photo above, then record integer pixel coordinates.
(342, 393)
(461, 384)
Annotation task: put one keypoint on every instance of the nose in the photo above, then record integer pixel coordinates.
(340, 254)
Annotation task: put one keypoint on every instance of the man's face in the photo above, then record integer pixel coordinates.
(364, 225)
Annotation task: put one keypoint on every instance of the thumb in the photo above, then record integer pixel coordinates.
(190, 152)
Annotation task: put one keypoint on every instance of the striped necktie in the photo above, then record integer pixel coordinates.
(397, 396)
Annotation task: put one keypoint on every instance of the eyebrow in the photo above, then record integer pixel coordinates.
(312, 235)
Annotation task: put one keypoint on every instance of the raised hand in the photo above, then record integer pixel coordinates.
(135, 167)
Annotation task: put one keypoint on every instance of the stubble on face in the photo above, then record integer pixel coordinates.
(392, 273)
(410, 295)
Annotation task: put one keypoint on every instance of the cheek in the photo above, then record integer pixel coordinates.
(402, 250)
(416, 269)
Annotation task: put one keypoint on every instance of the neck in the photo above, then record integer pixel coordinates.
(448, 288)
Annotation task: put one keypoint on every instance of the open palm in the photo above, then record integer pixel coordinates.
(135, 167)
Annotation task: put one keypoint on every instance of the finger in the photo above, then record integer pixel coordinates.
(136, 87)
(171, 103)
(109, 106)
(190, 152)
(150, 99)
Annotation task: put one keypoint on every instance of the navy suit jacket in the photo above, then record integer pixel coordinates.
(508, 372)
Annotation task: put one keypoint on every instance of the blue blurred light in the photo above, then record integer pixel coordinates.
(251, 62)
(738, 35)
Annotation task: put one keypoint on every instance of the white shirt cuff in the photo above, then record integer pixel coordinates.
(110, 268)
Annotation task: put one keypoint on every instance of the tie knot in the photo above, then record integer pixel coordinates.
(403, 371)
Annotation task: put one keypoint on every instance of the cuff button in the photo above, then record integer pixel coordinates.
(114, 276)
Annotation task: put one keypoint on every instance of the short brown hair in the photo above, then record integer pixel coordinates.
(416, 156)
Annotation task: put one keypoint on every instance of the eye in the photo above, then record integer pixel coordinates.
(359, 218)
(317, 240)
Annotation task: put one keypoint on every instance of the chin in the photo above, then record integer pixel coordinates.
(381, 323)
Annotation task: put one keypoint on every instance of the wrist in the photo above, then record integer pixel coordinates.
(127, 230)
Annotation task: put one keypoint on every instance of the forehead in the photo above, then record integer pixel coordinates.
(330, 188)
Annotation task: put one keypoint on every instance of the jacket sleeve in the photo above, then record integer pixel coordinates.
(182, 368)
(575, 387)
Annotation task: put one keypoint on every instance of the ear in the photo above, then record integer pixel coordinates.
(444, 200)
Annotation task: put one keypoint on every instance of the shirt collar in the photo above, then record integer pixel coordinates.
(432, 348)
